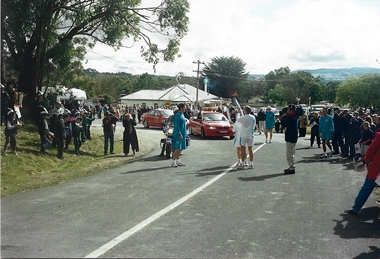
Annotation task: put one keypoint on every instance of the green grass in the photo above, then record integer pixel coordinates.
(32, 169)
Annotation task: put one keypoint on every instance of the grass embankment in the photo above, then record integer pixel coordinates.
(31, 169)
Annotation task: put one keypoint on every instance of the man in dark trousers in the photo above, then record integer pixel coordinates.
(337, 140)
(108, 125)
(289, 123)
(261, 118)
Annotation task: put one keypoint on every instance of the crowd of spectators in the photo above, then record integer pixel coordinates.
(351, 131)
(61, 123)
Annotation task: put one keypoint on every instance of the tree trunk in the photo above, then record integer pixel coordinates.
(27, 85)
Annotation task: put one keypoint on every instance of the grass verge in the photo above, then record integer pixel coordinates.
(31, 169)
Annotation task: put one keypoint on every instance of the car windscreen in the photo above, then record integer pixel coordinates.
(214, 117)
(166, 113)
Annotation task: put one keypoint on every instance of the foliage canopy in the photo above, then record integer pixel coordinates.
(43, 38)
(224, 75)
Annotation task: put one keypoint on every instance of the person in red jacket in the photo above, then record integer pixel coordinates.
(371, 158)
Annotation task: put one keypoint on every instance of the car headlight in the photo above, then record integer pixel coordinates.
(211, 127)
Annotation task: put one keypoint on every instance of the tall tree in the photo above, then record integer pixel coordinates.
(330, 90)
(43, 32)
(278, 81)
(360, 92)
(225, 75)
(308, 86)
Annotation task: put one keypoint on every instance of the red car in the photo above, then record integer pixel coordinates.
(155, 118)
(211, 124)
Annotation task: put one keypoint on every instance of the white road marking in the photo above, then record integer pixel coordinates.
(108, 246)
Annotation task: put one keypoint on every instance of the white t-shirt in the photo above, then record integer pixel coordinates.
(248, 123)
(237, 130)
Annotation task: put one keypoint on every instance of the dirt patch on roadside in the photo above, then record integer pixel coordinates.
(147, 142)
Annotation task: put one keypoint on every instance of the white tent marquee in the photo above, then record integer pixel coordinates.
(65, 93)
(179, 93)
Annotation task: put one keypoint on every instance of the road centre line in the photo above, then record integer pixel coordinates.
(108, 246)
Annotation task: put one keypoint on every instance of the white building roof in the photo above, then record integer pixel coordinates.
(177, 93)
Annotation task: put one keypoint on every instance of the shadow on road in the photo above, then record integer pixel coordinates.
(346, 163)
(365, 225)
(374, 253)
(260, 177)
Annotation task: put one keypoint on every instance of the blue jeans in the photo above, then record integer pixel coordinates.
(109, 136)
(364, 193)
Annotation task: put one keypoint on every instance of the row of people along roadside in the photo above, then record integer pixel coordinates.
(63, 124)
(351, 134)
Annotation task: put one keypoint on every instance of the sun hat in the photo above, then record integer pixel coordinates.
(10, 112)
(44, 112)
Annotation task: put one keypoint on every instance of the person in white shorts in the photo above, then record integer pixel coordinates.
(247, 131)
(236, 142)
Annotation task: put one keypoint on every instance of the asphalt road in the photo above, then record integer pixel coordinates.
(206, 209)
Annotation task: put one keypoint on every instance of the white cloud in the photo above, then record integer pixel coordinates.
(266, 35)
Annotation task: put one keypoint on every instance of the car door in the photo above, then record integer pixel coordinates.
(150, 117)
(157, 118)
(197, 124)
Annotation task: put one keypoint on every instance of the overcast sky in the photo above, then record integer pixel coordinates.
(266, 35)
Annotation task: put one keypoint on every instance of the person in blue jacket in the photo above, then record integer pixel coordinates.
(270, 120)
(289, 123)
(326, 130)
(179, 135)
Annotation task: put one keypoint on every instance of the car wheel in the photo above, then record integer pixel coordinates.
(203, 133)
(146, 125)
(168, 151)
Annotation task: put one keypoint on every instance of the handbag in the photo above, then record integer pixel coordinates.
(357, 149)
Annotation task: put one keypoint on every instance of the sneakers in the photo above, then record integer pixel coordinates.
(251, 166)
(174, 164)
(332, 152)
(266, 141)
(180, 163)
(323, 155)
(270, 141)
(241, 165)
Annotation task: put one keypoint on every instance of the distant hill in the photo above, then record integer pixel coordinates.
(335, 74)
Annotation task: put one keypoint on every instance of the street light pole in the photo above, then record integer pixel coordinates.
(196, 98)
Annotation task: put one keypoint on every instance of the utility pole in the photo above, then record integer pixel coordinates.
(197, 62)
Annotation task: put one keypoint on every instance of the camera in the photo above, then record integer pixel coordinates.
(283, 110)
(299, 111)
